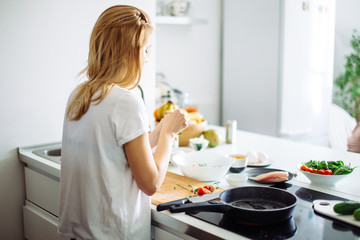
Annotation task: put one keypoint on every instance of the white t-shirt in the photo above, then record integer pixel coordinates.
(99, 198)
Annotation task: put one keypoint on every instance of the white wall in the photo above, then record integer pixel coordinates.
(43, 45)
(347, 19)
(189, 56)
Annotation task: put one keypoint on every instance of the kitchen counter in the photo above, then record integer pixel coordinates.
(285, 154)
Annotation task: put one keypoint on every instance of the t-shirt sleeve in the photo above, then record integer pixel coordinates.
(130, 119)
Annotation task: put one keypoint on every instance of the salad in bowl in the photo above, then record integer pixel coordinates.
(326, 173)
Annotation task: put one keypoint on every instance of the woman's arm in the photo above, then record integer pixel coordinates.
(149, 170)
(155, 134)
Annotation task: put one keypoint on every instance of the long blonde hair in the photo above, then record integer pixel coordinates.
(114, 57)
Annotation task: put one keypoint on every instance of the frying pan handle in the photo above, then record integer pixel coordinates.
(166, 206)
(210, 206)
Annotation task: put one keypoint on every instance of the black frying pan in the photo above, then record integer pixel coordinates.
(249, 205)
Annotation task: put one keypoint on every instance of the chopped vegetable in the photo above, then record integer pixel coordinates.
(211, 188)
(327, 167)
(199, 191)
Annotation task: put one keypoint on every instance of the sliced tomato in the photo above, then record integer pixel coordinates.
(203, 190)
(211, 188)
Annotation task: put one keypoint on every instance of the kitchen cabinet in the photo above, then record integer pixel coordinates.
(38, 223)
(42, 190)
(41, 209)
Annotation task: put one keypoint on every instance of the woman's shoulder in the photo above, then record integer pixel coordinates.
(125, 95)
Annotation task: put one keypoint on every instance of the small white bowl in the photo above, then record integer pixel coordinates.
(236, 180)
(198, 143)
(240, 163)
(325, 180)
(203, 165)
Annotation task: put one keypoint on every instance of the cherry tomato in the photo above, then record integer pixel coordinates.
(211, 188)
(328, 172)
(312, 170)
(303, 167)
(200, 191)
(203, 190)
(321, 171)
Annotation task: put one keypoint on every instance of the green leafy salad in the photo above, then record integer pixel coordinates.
(327, 167)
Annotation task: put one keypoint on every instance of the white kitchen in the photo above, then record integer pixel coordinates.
(226, 56)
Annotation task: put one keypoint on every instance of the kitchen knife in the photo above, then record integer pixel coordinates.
(203, 198)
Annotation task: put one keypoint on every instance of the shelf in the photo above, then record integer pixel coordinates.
(178, 20)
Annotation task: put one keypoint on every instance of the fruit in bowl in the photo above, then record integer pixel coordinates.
(327, 173)
(193, 131)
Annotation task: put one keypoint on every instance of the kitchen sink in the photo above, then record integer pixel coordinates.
(50, 154)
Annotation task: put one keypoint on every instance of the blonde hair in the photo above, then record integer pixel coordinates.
(114, 57)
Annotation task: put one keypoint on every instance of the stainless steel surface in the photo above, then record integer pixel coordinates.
(205, 197)
(179, 228)
(50, 154)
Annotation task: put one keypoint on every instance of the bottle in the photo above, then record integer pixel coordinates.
(231, 127)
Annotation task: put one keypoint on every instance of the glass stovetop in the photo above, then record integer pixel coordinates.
(304, 224)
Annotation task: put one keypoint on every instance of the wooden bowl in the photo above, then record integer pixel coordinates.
(193, 131)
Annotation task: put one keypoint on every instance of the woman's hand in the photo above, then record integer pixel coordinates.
(149, 170)
(175, 122)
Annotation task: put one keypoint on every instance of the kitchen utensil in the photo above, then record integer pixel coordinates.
(325, 207)
(203, 165)
(176, 187)
(257, 171)
(248, 205)
(203, 198)
(325, 180)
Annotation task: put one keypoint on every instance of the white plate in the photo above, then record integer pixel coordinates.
(326, 207)
(265, 163)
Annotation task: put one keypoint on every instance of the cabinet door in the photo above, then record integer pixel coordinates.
(38, 224)
(42, 190)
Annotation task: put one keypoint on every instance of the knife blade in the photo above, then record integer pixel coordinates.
(203, 198)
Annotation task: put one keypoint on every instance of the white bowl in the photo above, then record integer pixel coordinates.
(236, 180)
(240, 163)
(198, 143)
(325, 180)
(203, 165)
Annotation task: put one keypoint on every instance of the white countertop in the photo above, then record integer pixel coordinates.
(285, 154)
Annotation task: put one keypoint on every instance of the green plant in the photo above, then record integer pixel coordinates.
(347, 94)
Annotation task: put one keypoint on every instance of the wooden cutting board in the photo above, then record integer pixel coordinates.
(328, 211)
(170, 189)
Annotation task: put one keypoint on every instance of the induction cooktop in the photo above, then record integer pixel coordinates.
(304, 223)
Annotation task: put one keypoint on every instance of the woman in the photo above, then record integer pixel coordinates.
(108, 170)
(353, 141)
